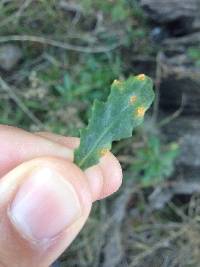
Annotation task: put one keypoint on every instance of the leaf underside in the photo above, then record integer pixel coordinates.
(115, 119)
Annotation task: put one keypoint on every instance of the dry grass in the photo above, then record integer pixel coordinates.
(166, 238)
(55, 37)
(169, 238)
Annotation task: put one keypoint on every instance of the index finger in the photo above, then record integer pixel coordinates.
(17, 146)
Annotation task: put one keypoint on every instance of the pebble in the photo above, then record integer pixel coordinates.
(10, 55)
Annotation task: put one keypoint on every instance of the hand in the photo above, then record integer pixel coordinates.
(45, 199)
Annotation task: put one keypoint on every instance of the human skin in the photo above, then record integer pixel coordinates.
(45, 199)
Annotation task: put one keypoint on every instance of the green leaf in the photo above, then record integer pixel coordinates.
(114, 119)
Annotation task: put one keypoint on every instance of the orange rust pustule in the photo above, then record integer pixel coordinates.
(132, 99)
(104, 151)
(140, 112)
(141, 77)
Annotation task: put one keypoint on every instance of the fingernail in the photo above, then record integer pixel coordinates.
(44, 206)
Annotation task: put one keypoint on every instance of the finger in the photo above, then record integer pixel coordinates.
(43, 205)
(21, 146)
(70, 142)
(17, 146)
(105, 178)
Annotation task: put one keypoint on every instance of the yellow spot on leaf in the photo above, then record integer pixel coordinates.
(132, 99)
(140, 112)
(104, 151)
(118, 84)
(141, 77)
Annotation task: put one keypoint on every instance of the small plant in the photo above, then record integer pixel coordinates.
(114, 119)
(194, 55)
(154, 161)
(88, 81)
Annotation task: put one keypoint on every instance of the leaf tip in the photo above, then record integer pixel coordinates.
(141, 77)
(118, 84)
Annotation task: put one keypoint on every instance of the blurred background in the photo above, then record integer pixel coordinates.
(57, 56)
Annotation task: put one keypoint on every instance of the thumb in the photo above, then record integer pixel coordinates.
(43, 205)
